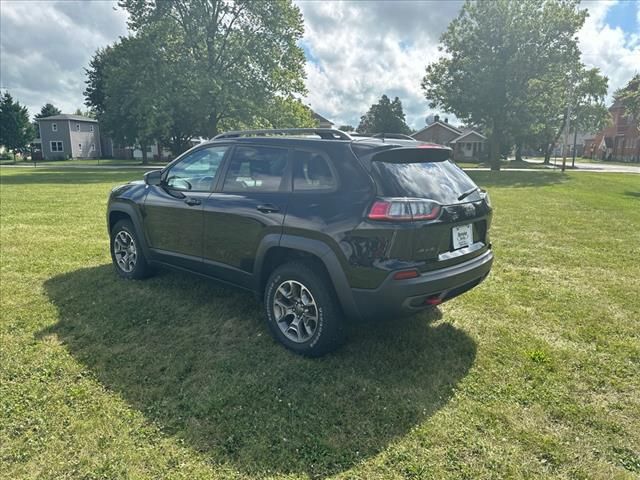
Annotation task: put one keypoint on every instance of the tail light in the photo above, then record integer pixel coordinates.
(404, 209)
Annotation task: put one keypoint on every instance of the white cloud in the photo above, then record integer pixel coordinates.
(357, 50)
(362, 50)
(615, 52)
(45, 46)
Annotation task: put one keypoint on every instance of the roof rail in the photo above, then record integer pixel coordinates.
(324, 133)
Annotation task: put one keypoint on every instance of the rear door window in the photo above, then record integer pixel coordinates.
(442, 181)
(311, 172)
(256, 169)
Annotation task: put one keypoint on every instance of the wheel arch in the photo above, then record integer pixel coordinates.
(123, 211)
(276, 250)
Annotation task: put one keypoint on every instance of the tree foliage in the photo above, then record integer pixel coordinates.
(386, 116)
(346, 128)
(48, 110)
(193, 67)
(16, 131)
(495, 52)
(630, 98)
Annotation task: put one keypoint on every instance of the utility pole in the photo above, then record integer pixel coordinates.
(566, 137)
(575, 139)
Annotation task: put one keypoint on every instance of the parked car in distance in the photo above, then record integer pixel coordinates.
(321, 225)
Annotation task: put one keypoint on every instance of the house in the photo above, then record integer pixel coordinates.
(467, 144)
(69, 136)
(321, 121)
(582, 141)
(620, 141)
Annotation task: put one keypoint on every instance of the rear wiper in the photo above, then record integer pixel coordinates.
(469, 192)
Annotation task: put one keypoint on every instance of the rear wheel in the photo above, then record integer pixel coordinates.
(301, 309)
(126, 252)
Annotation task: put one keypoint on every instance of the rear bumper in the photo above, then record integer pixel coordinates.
(405, 297)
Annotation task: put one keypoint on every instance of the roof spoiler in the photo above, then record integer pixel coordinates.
(422, 154)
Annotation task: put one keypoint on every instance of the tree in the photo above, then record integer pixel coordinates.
(346, 128)
(493, 50)
(630, 97)
(384, 117)
(48, 110)
(238, 55)
(557, 102)
(16, 131)
(122, 88)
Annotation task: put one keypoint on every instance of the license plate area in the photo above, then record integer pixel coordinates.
(462, 236)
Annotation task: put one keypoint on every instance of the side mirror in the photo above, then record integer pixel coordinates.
(154, 177)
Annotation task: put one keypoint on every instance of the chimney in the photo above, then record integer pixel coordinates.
(436, 118)
(446, 120)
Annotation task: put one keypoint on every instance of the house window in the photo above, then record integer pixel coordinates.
(77, 127)
(80, 147)
(91, 128)
(54, 127)
(93, 147)
(56, 146)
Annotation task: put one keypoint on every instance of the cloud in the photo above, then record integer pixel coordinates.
(615, 52)
(356, 51)
(361, 50)
(45, 46)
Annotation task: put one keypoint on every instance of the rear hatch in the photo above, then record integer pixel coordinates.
(447, 214)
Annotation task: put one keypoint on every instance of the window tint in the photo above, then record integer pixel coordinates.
(197, 170)
(311, 172)
(256, 169)
(439, 181)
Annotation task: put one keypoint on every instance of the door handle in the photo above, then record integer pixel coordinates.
(267, 208)
(192, 201)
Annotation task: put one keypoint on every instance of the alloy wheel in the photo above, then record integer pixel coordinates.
(295, 311)
(124, 250)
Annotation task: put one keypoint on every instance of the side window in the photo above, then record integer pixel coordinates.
(197, 171)
(256, 169)
(311, 172)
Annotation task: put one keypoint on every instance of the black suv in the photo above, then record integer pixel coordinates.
(321, 225)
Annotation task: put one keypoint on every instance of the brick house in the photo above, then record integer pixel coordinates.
(620, 141)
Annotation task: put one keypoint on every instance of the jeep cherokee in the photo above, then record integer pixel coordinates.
(321, 225)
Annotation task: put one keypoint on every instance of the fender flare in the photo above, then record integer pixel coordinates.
(319, 249)
(134, 215)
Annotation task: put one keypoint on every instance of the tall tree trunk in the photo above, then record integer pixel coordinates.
(519, 152)
(494, 151)
(145, 159)
(547, 154)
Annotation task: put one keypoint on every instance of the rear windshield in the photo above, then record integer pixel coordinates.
(439, 181)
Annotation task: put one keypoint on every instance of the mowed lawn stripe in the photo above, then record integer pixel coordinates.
(534, 374)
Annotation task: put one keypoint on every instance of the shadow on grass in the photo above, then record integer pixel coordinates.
(197, 360)
(533, 178)
(632, 194)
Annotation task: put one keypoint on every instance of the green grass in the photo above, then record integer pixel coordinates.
(93, 162)
(534, 374)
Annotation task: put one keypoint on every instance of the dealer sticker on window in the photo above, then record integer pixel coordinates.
(462, 236)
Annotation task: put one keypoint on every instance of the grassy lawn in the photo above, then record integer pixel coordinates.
(90, 162)
(534, 374)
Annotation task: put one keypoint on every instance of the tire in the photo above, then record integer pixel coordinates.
(301, 310)
(123, 234)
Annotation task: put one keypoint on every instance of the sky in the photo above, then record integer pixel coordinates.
(356, 51)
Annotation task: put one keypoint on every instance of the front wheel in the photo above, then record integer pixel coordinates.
(301, 310)
(126, 252)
